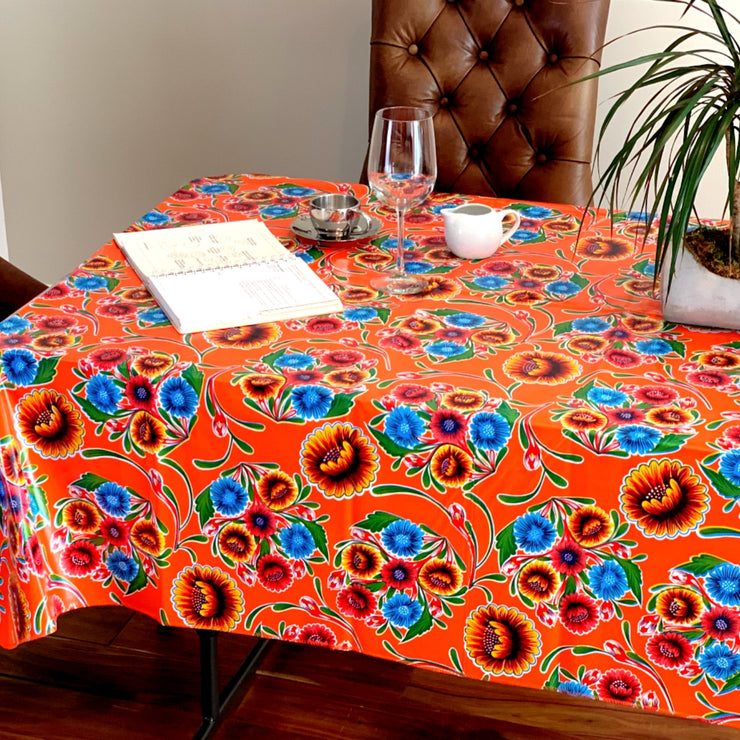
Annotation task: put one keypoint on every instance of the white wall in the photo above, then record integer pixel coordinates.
(106, 107)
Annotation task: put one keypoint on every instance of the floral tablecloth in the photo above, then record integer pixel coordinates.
(521, 475)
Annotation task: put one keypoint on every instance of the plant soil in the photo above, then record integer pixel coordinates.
(711, 247)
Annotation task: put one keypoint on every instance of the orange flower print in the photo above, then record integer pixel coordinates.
(81, 516)
(583, 420)
(604, 248)
(538, 580)
(362, 561)
(463, 400)
(541, 272)
(358, 294)
(419, 325)
(245, 337)
(136, 295)
(668, 416)
(501, 640)
(494, 337)
(236, 543)
(679, 605)
(590, 526)
(339, 460)
(347, 378)
(52, 342)
(438, 288)
(664, 498)
(99, 262)
(525, 297)
(440, 577)
(721, 360)
(145, 536)
(147, 432)
(152, 364)
(587, 343)
(547, 368)
(261, 386)
(207, 598)
(277, 490)
(49, 423)
(20, 612)
(451, 466)
(14, 462)
(643, 324)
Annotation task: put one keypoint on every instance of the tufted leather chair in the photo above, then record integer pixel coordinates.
(16, 288)
(495, 75)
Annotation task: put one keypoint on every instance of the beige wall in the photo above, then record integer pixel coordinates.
(107, 106)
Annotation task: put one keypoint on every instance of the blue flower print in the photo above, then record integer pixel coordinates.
(608, 580)
(20, 366)
(296, 191)
(524, 235)
(637, 439)
(402, 611)
(723, 584)
(636, 216)
(391, 242)
(537, 212)
(295, 361)
(113, 499)
(649, 270)
(590, 326)
(212, 188)
(563, 287)
(445, 349)
(489, 430)
(719, 662)
(575, 688)
(653, 347)
(14, 325)
(534, 533)
(465, 320)
(89, 282)
(229, 497)
(103, 393)
(153, 316)
(155, 218)
(365, 313)
(304, 257)
(436, 210)
(606, 396)
(297, 541)
(417, 267)
(402, 538)
(122, 566)
(178, 397)
(729, 466)
(404, 426)
(490, 282)
(275, 212)
(311, 401)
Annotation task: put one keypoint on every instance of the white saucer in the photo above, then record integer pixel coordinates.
(303, 226)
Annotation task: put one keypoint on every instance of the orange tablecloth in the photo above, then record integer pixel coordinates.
(521, 475)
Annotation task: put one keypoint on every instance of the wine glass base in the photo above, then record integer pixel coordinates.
(399, 283)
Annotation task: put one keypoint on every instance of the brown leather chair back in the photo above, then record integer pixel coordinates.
(495, 74)
(16, 288)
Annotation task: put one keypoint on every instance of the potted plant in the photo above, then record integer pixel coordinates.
(692, 112)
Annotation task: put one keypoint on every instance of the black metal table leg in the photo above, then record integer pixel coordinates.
(213, 704)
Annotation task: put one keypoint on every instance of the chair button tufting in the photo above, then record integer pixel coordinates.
(553, 58)
(483, 55)
(541, 158)
(413, 50)
(519, 3)
(512, 108)
(474, 154)
(444, 102)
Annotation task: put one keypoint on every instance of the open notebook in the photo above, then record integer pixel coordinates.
(216, 276)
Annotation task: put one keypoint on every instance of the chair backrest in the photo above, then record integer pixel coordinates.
(495, 74)
(16, 288)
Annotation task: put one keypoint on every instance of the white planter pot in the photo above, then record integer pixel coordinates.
(698, 296)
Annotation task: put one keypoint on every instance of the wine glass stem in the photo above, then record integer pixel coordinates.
(400, 246)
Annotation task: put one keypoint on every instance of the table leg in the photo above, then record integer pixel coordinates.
(213, 704)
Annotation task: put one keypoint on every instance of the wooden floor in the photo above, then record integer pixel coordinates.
(109, 673)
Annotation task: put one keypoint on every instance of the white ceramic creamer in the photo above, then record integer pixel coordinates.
(475, 230)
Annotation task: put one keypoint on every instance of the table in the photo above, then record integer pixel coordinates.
(522, 475)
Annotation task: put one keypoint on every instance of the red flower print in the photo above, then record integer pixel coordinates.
(317, 634)
(80, 559)
(669, 649)
(721, 623)
(579, 613)
(399, 574)
(274, 572)
(619, 686)
(260, 521)
(357, 602)
(115, 531)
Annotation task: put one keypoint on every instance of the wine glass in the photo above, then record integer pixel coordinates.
(401, 170)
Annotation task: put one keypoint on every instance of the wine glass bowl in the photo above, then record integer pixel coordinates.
(401, 170)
